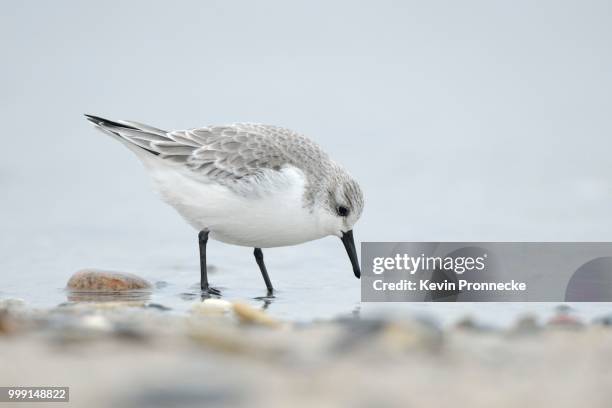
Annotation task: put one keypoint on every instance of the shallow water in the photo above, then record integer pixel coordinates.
(313, 281)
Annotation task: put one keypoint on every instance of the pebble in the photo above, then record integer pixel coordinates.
(97, 280)
(411, 335)
(250, 315)
(563, 309)
(96, 322)
(212, 307)
(6, 323)
(158, 306)
(11, 303)
(565, 321)
(132, 332)
(526, 325)
(470, 324)
(381, 336)
(604, 320)
(8, 308)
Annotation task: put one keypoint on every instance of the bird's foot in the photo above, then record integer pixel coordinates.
(269, 296)
(208, 291)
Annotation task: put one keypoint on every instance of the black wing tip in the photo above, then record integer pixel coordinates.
(97, 120)
(105, 123)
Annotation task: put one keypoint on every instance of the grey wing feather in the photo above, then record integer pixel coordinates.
(225, 154)
(231, 153)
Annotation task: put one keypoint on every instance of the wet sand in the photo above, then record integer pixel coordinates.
(133, 354)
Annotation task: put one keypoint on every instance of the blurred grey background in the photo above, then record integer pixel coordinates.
(473, 120)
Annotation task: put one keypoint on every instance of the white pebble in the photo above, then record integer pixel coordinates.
(212, 306)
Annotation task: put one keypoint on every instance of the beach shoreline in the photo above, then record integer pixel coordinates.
(232, 354)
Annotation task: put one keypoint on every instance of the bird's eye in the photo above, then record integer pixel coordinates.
(342, 211)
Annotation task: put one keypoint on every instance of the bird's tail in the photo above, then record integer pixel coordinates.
(133, 134)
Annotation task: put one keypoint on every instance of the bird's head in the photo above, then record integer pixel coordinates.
(343, 204)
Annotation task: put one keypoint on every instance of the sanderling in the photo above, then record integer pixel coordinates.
(247, 184)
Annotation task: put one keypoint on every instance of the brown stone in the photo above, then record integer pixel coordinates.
(6, 323)
(248, 314)
(96, 280)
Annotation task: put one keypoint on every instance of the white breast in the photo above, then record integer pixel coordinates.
(272, 215)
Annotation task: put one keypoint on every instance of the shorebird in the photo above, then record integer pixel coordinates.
(246, 184)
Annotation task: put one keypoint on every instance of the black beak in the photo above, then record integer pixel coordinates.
(349, 245)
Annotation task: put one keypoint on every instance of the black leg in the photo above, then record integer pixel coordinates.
(203, 240)
(262, 267)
